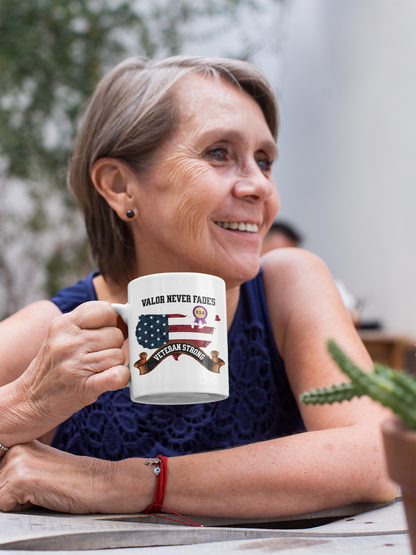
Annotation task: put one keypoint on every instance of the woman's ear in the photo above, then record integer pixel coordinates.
(115, 181)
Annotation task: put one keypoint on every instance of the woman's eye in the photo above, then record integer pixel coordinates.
(265, 164)
(220, 154)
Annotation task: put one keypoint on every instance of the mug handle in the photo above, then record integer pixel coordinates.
(123, 311)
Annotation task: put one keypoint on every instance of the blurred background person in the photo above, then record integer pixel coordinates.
(281, 235)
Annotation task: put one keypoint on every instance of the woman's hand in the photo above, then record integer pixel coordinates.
(80, 359)
(36, 474)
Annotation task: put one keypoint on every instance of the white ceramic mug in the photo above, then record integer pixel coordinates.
(178, 351)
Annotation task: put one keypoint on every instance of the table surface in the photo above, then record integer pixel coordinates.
(355, 529)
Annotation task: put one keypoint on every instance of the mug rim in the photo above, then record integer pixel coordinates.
(171, 274)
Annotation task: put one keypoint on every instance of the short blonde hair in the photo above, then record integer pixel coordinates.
(132, 111)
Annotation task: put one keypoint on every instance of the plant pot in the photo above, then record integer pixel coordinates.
(400, 445)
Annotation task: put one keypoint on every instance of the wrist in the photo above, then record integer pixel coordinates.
(20, 422)
(126, 486)
(157, 505)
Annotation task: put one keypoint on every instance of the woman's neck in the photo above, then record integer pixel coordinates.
(233, 296)
(109, 291)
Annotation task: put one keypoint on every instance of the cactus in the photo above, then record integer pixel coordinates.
(394, 389)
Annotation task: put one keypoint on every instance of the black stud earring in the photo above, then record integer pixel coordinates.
(130, 214)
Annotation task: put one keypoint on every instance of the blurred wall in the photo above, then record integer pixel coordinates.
(346, 172)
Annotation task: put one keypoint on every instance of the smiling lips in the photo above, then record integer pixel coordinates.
(240, 226)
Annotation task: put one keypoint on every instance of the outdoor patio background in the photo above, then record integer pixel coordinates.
(345, 75)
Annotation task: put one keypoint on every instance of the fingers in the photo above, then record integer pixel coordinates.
(19, 507)
(112, 379)
(12, 475)
(105, 372)
(93, 315)
(65, 339)
(97, 322)
(98, 340)
(100, 361)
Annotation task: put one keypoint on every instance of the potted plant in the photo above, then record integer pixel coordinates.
(396, 390)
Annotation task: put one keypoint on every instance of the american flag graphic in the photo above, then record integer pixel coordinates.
(154, 330)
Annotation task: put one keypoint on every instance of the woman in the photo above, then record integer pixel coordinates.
(172, 170)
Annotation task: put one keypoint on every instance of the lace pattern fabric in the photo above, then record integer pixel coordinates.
(260, 407)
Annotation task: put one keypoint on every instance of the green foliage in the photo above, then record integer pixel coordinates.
(62, 263)
(394, 389)
(52, 54)
(51, 57)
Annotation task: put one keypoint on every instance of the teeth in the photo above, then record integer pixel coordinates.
(241, 226)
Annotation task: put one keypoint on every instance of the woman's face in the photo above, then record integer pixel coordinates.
(209, 198)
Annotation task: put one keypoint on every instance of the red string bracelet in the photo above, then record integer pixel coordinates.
(161, 472)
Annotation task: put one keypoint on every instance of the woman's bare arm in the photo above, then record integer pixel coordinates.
(21, 337)
(339, 460)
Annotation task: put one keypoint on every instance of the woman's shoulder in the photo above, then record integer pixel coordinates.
(290, 259)
(297, 285)
(70, 297)
(288, 269)
(292, 268)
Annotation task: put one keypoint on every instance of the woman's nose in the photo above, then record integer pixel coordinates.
(253, 184)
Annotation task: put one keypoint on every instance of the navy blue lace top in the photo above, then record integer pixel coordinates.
(261, 405)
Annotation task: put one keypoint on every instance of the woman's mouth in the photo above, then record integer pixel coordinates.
(239, 226)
